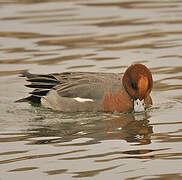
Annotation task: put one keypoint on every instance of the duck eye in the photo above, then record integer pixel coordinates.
(134, 86)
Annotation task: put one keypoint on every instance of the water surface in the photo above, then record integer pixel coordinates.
(80, 35)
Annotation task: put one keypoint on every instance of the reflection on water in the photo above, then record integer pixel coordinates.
(129, 129)
(124, 127)
(80, 35)
(95, 138)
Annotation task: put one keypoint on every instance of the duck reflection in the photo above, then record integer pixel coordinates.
(128, 127)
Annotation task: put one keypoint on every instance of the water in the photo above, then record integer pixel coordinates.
(80, 35)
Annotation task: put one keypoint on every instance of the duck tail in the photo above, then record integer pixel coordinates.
(41, 85)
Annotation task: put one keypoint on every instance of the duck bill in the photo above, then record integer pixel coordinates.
(139, 105)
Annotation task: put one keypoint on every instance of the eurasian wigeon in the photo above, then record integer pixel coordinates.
(92, 91)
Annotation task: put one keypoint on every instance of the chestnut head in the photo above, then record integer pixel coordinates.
(138, 82)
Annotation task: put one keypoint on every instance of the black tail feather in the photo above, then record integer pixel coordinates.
(42, 79)
(30, 99)
(39, 92)
(42, 85)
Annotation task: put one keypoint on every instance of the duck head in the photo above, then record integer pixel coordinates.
(138, 83)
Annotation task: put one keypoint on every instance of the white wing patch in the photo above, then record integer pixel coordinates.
(83, 99)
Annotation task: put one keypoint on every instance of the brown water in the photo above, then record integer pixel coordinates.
(81, 35)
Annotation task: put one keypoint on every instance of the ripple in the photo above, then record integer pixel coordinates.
(24, 35)
(12, 152)
(135, 4)
(54, 36)
(57, 171)
(92, 173)
(131, 152)
(23, 169)
(23, 158)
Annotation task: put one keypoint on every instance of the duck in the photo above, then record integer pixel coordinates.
(92, 91)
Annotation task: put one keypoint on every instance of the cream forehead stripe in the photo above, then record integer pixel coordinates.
(83, 99)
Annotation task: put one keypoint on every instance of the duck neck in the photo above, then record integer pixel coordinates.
(119, 102)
